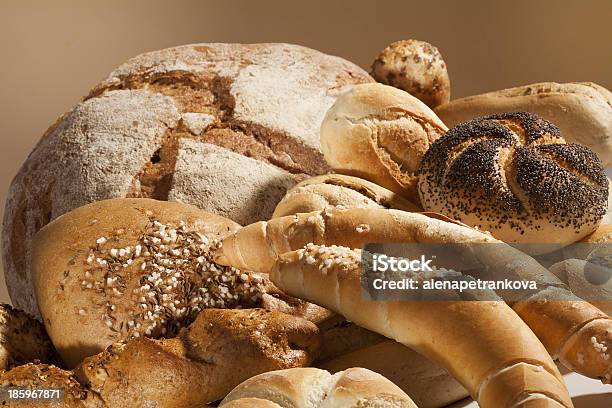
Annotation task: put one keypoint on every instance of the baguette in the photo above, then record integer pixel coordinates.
(574, 331)
(484, 345)
(315, 388)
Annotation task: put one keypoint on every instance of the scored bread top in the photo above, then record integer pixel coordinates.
(513, 174)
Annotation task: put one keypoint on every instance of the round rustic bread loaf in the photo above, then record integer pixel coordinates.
(226, 127)
(23, 339)
(124, 268)
(513, 175)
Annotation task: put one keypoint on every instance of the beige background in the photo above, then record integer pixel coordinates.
(52, 52)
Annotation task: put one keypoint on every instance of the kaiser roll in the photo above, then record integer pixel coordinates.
(513, 175)
(416, 67)
(380, 133)
(226, 127)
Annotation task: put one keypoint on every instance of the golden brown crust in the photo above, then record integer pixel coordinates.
(339, 191)
(23, 339)
(204, 362)
(497, 336)
(261, 244)
(312, 387)
(48, 376)
(416, 67)
(380, 133)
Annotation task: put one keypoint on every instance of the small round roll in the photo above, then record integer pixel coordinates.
(416, 67)
(513, 175)
(312, 387)
(380, 133)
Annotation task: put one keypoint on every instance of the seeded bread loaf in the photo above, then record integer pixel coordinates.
(220, 349)
(23, 339)
(339, 191)
(416, 67)
(380, 133)
(312, 387)
(36, 376)
(582, 110)
(124, 268)
(514, 175)
(226, 127)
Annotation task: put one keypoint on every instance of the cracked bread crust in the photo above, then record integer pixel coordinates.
(23, 339)
(204, 362)
(42, 375)
(172, 124)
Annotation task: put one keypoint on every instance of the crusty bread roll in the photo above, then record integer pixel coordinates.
(36, 376)
(380, 133)
(428, 384)
(312, 387)
(513, 174)
(566, 326)
(339, 191)
(220, 349)
(225, 127)
(251, 403)
(500, 360)
(582, 110)
(416, 67)
(125, 268)
(23, 339)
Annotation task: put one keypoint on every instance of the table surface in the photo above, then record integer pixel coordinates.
(586, 393)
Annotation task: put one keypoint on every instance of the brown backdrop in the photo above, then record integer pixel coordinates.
(52, 52)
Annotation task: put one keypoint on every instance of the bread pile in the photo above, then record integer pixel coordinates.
(191, 234)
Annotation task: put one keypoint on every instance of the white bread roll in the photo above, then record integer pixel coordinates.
(566, 325)
(513, 175)
(483, 344)
(315, 388)
(379, 133)
(416, 67)
(582, 110)
(339, 191)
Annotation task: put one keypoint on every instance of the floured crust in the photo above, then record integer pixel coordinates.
(312, 387)
(159, 111)
(416, 67)
(582, 110)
